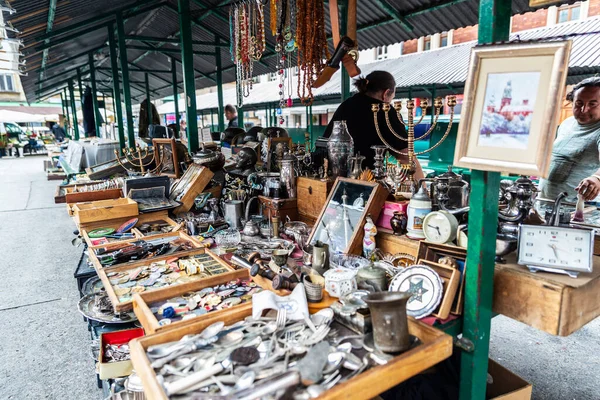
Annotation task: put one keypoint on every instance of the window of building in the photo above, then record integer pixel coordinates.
(381, 53)
(6, 83)
(444, 39)
(256, 79)
(272, 76)
(568, 13)
(427, 43)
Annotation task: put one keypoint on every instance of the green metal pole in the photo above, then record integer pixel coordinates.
(175, 90)
(494, 25)
(97, 116)
(62, 103)
(104, 101)
(68, 120)
(125, 73)
(212, 120)
(74, 109)
(114, 65)
(148, 104)
(220, 85)
(241, 118)
(80, 85)
(343, 7)
(310, 114)
(433, 92)
(187, 64)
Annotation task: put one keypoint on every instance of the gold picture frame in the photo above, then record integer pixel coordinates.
(165, 153)
(511, 107)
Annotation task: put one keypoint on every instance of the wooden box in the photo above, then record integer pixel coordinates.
(191, 184)
(505, 384)
(61, 191)
(159, 216)
(393, 244)
(312, 194)
(111, 370)
(282, 207)
(142, 301)
(450, 280)
(125, 242)
(80, 197)
(436, 346)
(184, 287)
(104, 210)
(553, 303)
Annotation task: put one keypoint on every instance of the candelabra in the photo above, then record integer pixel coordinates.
(404, 173)
(136, 158)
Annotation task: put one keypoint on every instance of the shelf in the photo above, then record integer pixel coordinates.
(553, 303)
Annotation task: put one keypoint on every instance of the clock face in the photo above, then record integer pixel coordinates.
(557, 247)
(440, 227)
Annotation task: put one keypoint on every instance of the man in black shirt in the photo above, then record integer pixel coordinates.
(231, 115)
(377, 87)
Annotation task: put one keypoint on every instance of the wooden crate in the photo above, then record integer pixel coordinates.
(185, 287)
(104, 210)
(312, 194)
(160, 216)
(115, 245)
(61, 190)
(148, 320)
(282, 207)
(393, 244)
(553, 303)
(191, 184)
(436, 346)
(94, 195)
(450, 279)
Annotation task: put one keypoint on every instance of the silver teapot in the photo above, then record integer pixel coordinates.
(450, 192)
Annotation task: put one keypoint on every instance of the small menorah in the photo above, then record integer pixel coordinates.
(404, 173)
(136, 158)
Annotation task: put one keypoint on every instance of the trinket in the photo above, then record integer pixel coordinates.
(339, 282)
(369, 244)
(425, 287)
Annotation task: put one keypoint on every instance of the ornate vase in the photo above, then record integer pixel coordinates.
(339, 149)
(399, 222)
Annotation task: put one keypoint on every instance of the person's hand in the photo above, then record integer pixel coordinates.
(589, 188)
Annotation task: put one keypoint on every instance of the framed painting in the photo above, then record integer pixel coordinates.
(166, 157)
(511, 107)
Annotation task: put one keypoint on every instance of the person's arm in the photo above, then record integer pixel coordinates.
(589, 187)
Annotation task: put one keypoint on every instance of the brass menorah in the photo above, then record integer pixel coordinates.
(135, 156)
(403, 174)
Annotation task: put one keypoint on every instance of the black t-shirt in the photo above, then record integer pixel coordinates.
(356, 111)
(233, 123)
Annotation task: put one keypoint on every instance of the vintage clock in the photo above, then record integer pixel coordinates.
(556, 249)
(440, 227)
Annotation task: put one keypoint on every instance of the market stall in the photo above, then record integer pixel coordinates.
(258, 266)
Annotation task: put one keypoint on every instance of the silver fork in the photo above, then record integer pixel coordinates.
(281, 318)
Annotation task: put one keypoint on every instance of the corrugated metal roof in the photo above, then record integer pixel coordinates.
(376, 28)
(440, 67)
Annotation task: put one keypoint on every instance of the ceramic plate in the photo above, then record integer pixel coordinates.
(426, 288)
(349, 261)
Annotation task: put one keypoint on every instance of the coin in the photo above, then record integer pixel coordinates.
(246, 297)
(138, 289)
(245, 355)
(200, 311)
(122, 291)
(205, 291)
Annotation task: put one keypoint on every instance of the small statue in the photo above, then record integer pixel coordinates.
(369, 244)
(246, 162)
(399, 222)
(325, 177)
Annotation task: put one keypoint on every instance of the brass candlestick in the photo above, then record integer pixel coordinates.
(403, 174)
(136, 158)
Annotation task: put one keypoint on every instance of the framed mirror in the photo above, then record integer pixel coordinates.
(340, 224)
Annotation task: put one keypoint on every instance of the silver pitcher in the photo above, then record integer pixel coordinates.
(288, 175)
(233, 211)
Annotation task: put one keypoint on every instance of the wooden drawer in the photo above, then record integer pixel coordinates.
(94, 195)
(312, 196)
(104, 210)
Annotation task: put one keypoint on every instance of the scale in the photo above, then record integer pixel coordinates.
(556, 249)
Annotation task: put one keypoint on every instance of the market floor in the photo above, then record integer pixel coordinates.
(45, 345)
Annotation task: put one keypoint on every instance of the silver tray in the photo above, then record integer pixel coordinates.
(86, 307)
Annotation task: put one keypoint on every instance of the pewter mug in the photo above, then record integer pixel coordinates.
(320, 260)
(233, 211)
(390, 324)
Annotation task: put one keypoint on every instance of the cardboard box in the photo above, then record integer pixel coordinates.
(506, 385)
(117, 369)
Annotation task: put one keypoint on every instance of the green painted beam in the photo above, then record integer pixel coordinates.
(104, 102)
(494, 26)
(163, 50)
(220, 87)
(175, 91)
(68, 60)
(97, 116)
(388, 8)
(69, 38)
(187, 63)
(49, 24)
(74, 110)
(153, 39)
(68, 122)
(117, 108)
(148, 103)
(125, 72)
(79, 84)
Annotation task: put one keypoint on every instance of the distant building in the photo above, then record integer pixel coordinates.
(508, 110)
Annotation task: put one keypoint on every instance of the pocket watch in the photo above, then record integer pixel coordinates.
(440, 227)
(556, 249)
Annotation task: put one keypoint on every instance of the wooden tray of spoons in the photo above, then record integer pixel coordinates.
(435, 347)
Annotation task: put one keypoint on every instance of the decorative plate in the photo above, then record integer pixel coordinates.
(426, 288)
(87, 308)
(92, 286)
(126, 227)
(349, 261)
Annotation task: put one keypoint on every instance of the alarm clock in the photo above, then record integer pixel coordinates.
(556, 249)
(440, 227)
